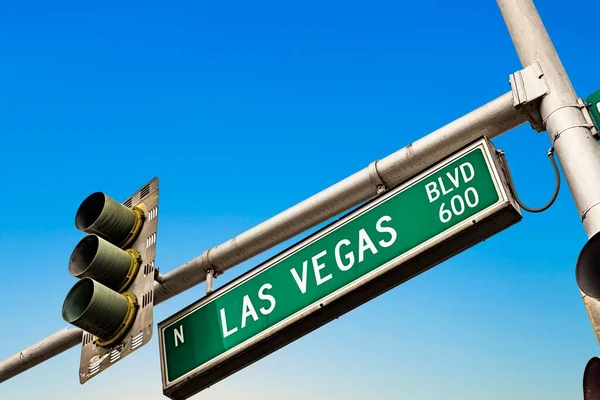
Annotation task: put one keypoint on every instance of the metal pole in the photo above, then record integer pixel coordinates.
(491, 120)
(41, 351)
(576, 148)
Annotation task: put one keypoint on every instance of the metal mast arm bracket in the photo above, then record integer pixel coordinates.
(588, 117)
(210, 274)
(375, 178)
(211, 271)
(158, 277)
(528, 88)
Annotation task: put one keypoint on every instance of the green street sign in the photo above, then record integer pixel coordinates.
(593, 102)
(446, 209)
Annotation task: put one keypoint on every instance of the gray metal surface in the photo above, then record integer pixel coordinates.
(529, 86)
(95, 359)
(569, 130)
(491, 120)
(40, 352)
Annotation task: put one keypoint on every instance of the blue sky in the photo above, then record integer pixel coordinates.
(243, 109)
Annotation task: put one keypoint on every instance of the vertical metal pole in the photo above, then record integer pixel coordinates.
(576, 148)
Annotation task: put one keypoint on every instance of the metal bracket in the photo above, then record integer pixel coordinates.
(587, 210)
(528, 88)
(588, 118)
(586, 114)
(205, 260)
(375, 178)
(158, 277)
(209, 281)
(211, 272)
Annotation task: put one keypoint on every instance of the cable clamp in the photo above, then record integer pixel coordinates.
(375, 178)
(557, 134)
(580, 105)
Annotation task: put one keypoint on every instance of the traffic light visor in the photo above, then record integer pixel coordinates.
(95, 308)
(95, 258)
(100, 215)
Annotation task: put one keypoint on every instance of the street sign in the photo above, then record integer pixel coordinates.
(593, 102)
(446, 209)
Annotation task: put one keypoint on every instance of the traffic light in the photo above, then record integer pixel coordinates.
(587, 269)
(591, 380)
(587, 274)
(113, 299)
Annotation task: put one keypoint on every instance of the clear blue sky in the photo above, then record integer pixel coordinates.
(243, 109)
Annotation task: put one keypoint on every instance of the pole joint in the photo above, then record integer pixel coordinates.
(376, 179)
(528, 88)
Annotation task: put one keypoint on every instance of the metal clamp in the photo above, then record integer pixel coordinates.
(557, 134)
(580, 105)
(375, 178)
(587, 210)
(158, 277)
(588, 118)
(528, 88)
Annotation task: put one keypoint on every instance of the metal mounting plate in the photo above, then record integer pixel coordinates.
(528, 88)
(95, 359)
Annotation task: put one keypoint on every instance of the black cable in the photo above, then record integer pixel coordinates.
(514, 191)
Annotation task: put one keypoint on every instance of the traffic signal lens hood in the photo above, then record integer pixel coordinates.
(100, 215)
(96, 308)
(95, 258)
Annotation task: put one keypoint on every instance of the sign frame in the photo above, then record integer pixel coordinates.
(457, 238)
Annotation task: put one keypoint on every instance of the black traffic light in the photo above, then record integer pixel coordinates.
(587, 274)
(591, 380)
(587, 270)
(112, 301)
